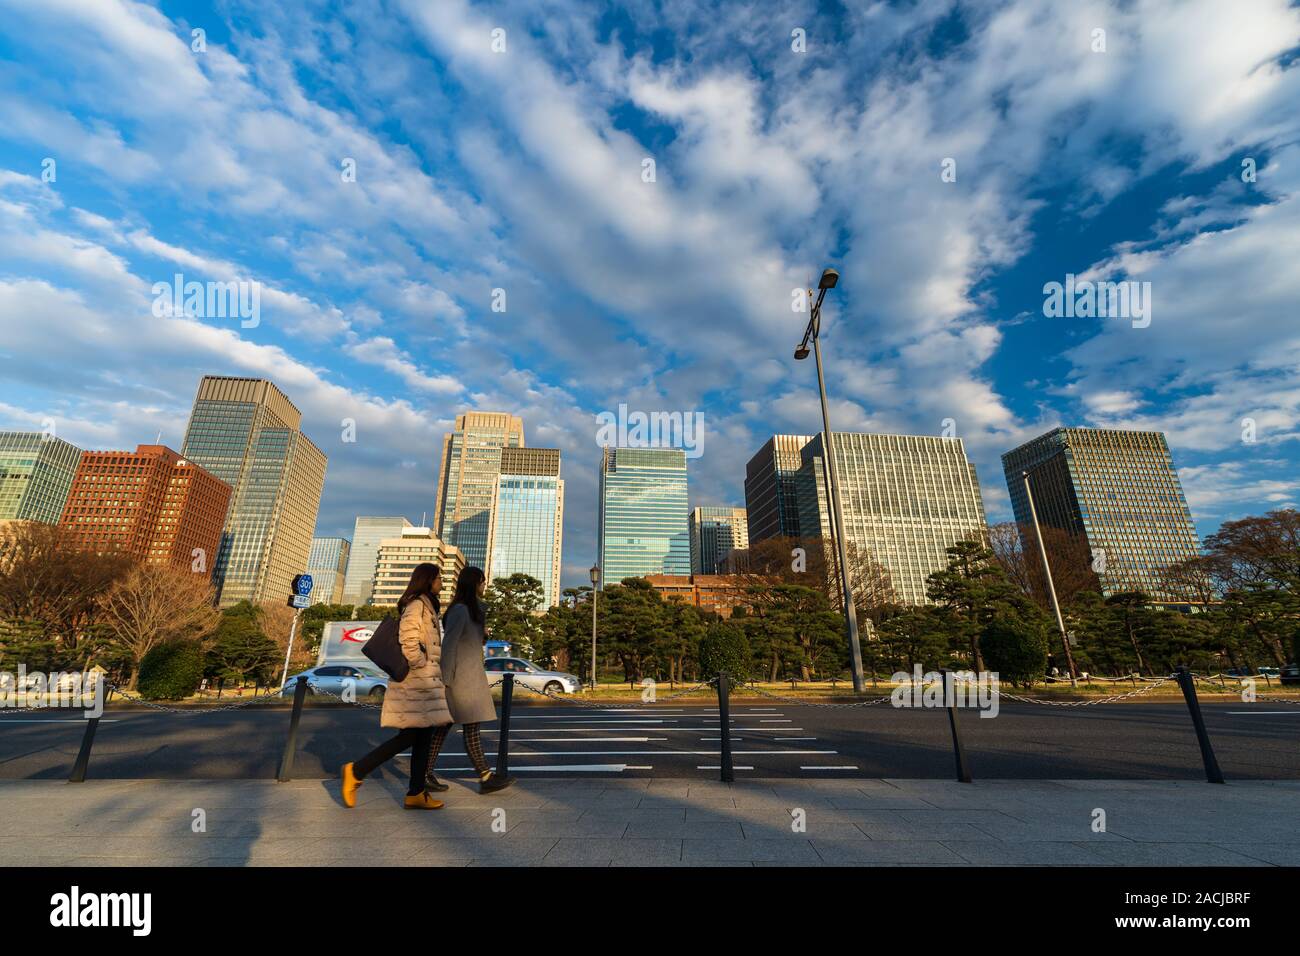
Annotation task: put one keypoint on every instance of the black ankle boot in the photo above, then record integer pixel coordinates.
(494, 783)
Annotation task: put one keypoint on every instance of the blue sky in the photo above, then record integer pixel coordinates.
(522, 170)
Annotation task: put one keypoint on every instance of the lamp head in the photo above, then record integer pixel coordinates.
(829, 278)
(801, 353)
(595, 574)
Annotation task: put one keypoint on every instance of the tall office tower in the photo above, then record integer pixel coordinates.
(328, 566)
(471, 461)
(906, 499)
(715, 533)
(398, 557)
(643, 514)
(366, 535)
(247, 433)
(771, 501)
(1116, 488)
(36, 472)
(151, 504)
(528, 519)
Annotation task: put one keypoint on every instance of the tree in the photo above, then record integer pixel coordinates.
(240, 649)
(46, 578)
(1015, 649)
(812, 562)
(972, 590)
(155, 603)
(631, 624)
(915, 636)
(1069, 555)
(512, 605)
(724, 650)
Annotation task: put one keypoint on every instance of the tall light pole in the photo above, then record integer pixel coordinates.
(595, 589)
(829, 278)
(1047, 570)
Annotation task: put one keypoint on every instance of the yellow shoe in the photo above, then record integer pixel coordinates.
(351, 783)
(422, 801)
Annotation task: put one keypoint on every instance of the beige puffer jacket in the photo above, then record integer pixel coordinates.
(421, 699)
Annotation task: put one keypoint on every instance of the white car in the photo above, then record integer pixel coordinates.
(532, 676)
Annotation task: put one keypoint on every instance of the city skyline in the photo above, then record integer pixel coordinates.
(413, 261)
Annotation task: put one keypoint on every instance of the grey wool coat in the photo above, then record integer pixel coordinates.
(421, 699)
(468, 695)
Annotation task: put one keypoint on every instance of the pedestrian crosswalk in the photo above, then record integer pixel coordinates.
(652, 740)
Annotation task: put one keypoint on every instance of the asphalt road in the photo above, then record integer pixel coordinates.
(680, 739)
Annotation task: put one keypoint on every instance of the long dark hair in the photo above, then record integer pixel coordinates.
(467, 583)
(424, 583)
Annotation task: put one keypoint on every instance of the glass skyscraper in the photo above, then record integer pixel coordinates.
(643, 514)
(36, 472)
(367, 533)
(467, 480)
(528, 518)
(771, 499)
(715, 533)
(328, 564)
(906, 499)
(246, 432)
(1116, 488)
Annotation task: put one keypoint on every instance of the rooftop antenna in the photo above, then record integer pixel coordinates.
(158, 440)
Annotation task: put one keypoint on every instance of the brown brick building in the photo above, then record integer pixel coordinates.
(150, 503)
(708, 592)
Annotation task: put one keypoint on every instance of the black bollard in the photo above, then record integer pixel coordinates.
(1188, 684)
(724, 725)
(950, 701)
(291, 745)
(503, 739)
(83, 755)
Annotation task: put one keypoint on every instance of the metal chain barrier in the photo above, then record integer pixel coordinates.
(196, 711)
(1220, 687)
(615, 705)
(870, 702)
(1084, 703)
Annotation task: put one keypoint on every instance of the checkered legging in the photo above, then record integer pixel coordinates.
(473, 747)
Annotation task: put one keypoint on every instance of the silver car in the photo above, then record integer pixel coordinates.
(532, 676)
(333, 679)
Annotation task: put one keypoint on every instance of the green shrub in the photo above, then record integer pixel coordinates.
(171, 671)
(724, 649)
(1016, 649)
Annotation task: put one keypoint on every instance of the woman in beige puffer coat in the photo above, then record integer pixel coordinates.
(417, 704)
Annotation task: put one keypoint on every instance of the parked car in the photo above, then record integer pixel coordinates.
(330, 679)
(530, 675)
(1270, 671)
(1290, 674)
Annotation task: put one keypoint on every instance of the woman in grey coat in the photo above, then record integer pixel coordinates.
(468, 696)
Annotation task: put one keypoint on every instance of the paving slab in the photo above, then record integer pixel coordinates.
(650, 822)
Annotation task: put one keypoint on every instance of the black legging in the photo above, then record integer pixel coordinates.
(473, 747)
(417, 738)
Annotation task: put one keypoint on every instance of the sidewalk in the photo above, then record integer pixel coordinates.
(643, 822)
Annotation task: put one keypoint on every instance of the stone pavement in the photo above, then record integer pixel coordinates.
(654, 822)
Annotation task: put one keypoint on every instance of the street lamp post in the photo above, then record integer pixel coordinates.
(829, 278)
(1047, 571)
(595, 589)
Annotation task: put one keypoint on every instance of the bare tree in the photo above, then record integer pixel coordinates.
(276, 620)
(811, 562)
(152, 604)
(45, 577)
(1068, 554)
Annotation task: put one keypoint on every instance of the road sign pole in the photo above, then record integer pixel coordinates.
(292, 628)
